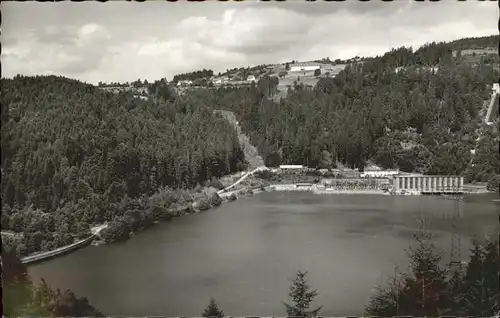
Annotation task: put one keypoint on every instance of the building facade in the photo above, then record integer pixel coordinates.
(304, 67)
(379, 173)
(291, 167)
(428, 184)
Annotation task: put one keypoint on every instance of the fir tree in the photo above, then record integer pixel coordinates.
(423, 291)
(386, 300)
(302, 297)
(480, 285)
(426, 286)
(213, 310)
(492, 273)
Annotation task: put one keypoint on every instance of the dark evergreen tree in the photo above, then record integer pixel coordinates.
(302, 297)
(213, 310)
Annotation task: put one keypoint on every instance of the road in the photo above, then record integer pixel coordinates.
(242, 179)
(65, 249)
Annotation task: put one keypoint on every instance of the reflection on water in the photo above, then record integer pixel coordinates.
(245, 253)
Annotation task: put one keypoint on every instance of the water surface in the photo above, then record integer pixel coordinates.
(246, 252)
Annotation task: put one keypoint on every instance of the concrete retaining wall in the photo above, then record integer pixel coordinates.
(289, 187)
(57, 252)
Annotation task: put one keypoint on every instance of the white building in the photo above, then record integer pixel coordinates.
(291, 167)
(377, 172)
(496, 88)
(251, 78)
(185, 83)
(304, 67)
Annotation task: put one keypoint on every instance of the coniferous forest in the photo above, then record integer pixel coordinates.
(74, 156)
(417, 111)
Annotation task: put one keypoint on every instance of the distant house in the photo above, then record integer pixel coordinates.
(185, 83)
(304, 67)
(291, 167)
(251, 78)
(218, 81)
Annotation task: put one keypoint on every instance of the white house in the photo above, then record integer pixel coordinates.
(304, 67)
(185, 83)
(496, 88)
(251, 78)
(291, 167)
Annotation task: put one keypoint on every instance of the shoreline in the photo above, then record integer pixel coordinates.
(226, 197)
(63, 250)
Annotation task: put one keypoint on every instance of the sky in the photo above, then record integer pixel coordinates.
(124, 41)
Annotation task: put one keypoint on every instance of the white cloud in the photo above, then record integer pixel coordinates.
(164, 43)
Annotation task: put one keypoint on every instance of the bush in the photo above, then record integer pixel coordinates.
(493, 183)
(116, 231)
(203, 204)
(264, 174)
(215, 200)
(232, 197)
(216, 184)
(317, 72)
(160, 213)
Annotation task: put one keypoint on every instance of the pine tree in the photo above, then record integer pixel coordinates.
(302, 297)
(213, 310)
(426, 286)
(480, 285)
(474, 289)
(492, 273)
(423, 291)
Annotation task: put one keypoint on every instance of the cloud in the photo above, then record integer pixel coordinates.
(125, 41)
(322, 8)
(58, 50)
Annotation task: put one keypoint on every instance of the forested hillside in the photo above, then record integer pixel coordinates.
(418, 111)
(74, 155)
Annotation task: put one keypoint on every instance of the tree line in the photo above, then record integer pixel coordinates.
(417, 111)
(193, 75)
(74, 155)
(21, 297)
(428, 289)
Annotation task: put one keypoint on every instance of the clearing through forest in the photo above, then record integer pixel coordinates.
(251, 153)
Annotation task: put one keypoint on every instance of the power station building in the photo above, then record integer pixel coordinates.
(428, 184)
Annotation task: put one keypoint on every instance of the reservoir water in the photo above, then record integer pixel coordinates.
(245, 253)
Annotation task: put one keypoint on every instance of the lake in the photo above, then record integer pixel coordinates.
(245, 253)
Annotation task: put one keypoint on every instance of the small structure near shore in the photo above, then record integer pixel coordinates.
(291, 167)
(377, 172)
